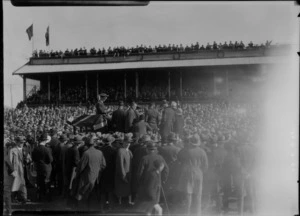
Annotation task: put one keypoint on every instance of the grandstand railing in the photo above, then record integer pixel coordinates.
(162, 56)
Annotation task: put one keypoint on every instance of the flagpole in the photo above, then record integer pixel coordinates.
(32, 40)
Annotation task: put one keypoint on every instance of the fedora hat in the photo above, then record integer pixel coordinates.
(20, 139)
(63, 138)
(151, 145)
(77, 140)
(195, 140)
(103, 95)
(172, 137)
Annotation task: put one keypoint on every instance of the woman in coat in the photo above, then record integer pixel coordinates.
(123, 171)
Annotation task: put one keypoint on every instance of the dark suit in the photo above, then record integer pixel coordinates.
(71, 161)
(118, 120)
(140, 128)
(167, 121)
(147, 165)
(100, 108)
(152, 117)
(131, 115)
(42, 157)
(87, 172)
(149, 194)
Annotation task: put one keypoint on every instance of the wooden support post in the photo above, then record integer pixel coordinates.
(24, 88)
(125, 86)
(49, 87)
(136, 85)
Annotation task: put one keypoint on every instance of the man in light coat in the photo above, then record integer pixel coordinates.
(131, 116)
(16, 159)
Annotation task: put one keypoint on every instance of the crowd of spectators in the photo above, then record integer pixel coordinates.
(215, 123)
(76, 95)
(143, 49)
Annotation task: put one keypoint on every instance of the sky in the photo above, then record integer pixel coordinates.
(158, 23)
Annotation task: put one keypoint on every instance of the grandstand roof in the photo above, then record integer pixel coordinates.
(39, 69)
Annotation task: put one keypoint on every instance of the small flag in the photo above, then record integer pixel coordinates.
(47, 36)
(29, 31)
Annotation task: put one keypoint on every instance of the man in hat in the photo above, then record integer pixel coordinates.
(8, 176)
(107, 182)
(70, 163)
(152, 117)
(149, 194)
(138, 151)
(131, 116)
(57, 157)
(100, 107)
(167, 121)
(118, 118)
(194, 162)
(169, 152)
(90, 166)
(52, 144)
(123, 170)
(147, 164)
(17, 161)
(140, 128)
(42, 158)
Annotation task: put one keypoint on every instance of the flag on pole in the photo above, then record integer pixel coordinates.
(29, 31)
(47, 36)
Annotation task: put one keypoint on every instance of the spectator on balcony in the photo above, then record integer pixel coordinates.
(231, 46)
(220, 46)
(181, 48)
(187, 48)
(242, 45)
(236, 45)
(109, 51)
(250, 45)
(76, 53)
(202, 48)
(103, 51)
(99, 52)
(215, 45)
(67, 53)
(208, 46)
(169, 48)
(197, 46)
(225, 46)
(141, 49)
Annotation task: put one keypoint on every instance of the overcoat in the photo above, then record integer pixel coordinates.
(138, 152)
(147, 165)
(149, 194)
(167, 122)
(107, 181)
(118, 120)
(193, 163)
(42, 158)
(152, 117)
(71, 161)
(123, 173)
(87, 172)
(131, 115)
(16, 158)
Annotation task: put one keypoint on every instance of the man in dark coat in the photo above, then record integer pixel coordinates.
(131, 116)
(138, 150)
(167, 121)
(194, 162)
(147, 164)
(100, 107)
(149, 195)
(118, 118)
(90, 166)
(56, 156)
(42, 158)
(140, 128)
(123, 170)
(52, 144)
(70, 163)
(107, 182)
(152, 117)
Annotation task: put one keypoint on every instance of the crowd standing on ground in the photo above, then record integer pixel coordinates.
(192, 157)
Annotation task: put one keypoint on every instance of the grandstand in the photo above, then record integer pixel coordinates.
(187, 76)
